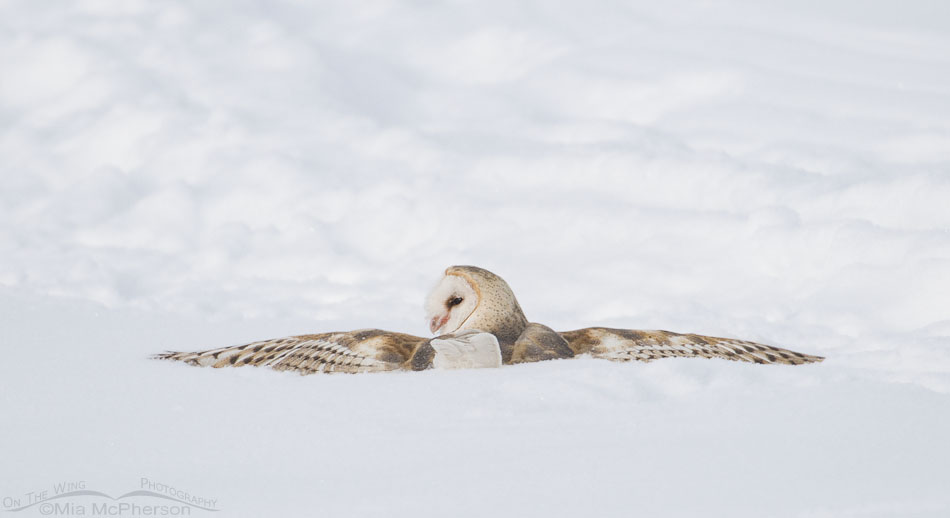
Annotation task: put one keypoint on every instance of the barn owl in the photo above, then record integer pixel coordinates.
(477, 322)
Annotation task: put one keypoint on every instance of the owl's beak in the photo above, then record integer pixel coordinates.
(437, 322)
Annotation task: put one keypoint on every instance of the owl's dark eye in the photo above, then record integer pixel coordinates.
(455, 301)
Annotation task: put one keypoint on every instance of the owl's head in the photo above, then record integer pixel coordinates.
(468, 297)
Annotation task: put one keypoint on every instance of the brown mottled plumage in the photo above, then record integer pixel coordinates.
(482, 318)
(366, 350)
(645, 346)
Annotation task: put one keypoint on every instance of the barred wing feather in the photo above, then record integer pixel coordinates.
(630, 344)
(367, 350)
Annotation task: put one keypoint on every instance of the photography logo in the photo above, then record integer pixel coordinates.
(78, 499)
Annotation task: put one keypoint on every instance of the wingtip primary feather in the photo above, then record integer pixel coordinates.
(186, 357)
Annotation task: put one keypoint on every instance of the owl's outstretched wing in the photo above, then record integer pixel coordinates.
(629, 344)
(366, 350)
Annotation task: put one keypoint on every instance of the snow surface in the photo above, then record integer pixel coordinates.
(186, 175)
